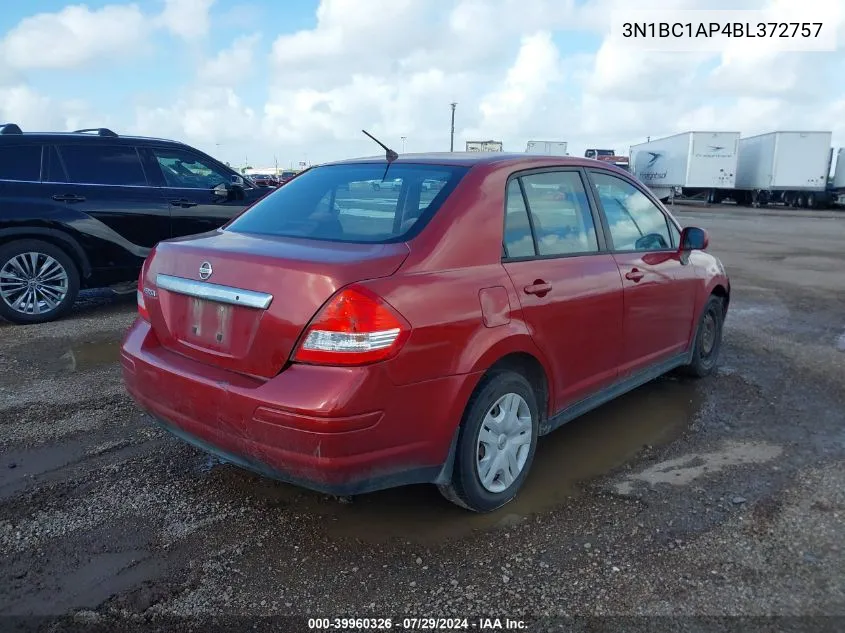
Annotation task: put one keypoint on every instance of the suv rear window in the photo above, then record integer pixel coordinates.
(20, 162)
(353, 203)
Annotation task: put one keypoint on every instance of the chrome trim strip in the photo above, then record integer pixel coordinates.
(214, 292)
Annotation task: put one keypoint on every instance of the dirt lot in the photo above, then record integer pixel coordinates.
(719, 497)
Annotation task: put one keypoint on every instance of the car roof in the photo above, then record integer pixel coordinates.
(469, 159)
(52, 137)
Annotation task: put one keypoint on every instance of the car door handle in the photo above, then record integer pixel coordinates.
(68, 197)
(183, 202)
(539, 288)
(634, 274)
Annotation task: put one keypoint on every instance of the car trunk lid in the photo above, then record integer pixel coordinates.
(241, 302)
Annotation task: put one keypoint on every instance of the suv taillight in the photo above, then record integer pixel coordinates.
(356, 327)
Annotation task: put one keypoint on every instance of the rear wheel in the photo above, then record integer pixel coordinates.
(496, 443)
(708, 339)
(38, 282)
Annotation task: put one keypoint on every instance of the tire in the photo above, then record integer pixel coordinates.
(61, 289)
(811, 201)
(801, 201)
(467, 488)
(707, 343)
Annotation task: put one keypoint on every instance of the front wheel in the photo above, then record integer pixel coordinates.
(496, 443)
(708, 340)
(38, 282)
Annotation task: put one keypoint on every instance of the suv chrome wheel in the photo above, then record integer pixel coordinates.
(38, 281)
(33, 283)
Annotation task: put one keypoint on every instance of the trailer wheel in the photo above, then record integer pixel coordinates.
(788, 198)
(811, 201)
(801, 201)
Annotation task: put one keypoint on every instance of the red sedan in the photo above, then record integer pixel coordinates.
(347, 341)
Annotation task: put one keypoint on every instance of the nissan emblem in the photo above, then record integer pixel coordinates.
(205, 270)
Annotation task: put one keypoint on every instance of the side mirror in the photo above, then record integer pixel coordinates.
(221, 191)
(237, 180)
(694, 239)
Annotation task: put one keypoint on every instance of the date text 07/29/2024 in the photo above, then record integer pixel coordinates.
(416, 624)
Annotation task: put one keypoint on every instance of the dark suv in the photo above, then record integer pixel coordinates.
(83, 209)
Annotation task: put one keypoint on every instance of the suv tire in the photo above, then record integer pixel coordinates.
(498, 435)
(34, 268)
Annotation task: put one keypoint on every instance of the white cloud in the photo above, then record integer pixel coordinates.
(205, 116)
(230, 66)
(34, 111)
(188, 19)
(514, 103)
(74, 36)
(518, 69)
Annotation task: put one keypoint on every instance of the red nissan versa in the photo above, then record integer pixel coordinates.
(348, 339)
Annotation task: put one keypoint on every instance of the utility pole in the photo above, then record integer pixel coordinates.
(452, 142)
(404, 138)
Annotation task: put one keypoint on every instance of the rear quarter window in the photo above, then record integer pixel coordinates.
(353, 203)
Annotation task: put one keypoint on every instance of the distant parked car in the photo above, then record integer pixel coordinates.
(392, 184)
(353, 343)
(285, 176)
(83, 209)
(264, 180)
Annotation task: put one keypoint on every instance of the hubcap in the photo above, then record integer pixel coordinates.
(708, 334)
(504, 442)
(33, 283)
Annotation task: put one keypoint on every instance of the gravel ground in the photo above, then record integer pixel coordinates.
(721, 497)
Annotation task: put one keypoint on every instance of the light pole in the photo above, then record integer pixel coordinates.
(404, 138)
(452, 141)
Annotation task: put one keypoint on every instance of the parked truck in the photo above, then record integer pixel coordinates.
(484, 146)
(691, 163)
(547, 148)
(836, 193)
(784, 166)
(608, 156)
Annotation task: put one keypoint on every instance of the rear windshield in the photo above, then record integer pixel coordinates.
(353, 203)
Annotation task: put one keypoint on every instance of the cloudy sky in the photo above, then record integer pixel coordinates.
(298, 79)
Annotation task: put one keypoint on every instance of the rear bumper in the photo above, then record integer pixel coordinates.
(337, 430)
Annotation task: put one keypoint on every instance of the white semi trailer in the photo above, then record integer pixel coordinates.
(694, 162)
(784, 166)
(484, 146)
(547, 148)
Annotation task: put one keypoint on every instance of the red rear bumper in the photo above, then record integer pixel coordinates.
(337, 430)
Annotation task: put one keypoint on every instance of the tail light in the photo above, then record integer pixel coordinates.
(356, 327)
(142, 306)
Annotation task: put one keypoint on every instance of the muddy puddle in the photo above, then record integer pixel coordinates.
(57, 357)
(584, 449)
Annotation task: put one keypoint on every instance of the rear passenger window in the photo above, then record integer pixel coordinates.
(103, 165)
(518, 239)
(20, 162)
(560, 213)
